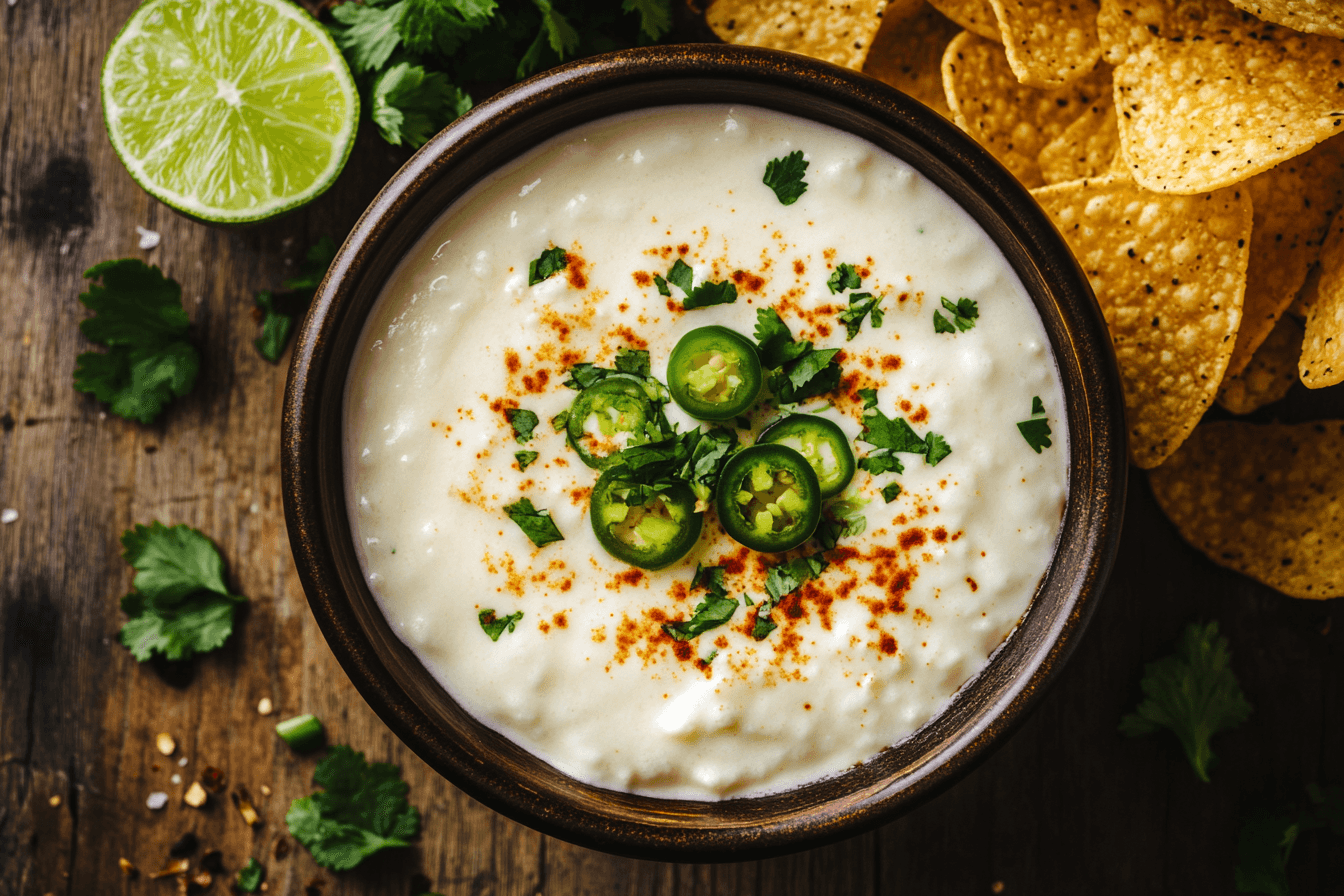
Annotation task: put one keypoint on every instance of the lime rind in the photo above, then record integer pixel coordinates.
(229, 111)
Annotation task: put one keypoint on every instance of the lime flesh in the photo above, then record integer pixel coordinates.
(229, 110)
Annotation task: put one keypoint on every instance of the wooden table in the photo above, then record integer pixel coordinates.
(1066, 806)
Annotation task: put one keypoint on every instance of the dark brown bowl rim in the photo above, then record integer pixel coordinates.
(492, 769)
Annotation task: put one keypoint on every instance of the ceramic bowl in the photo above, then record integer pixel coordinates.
(502, 775)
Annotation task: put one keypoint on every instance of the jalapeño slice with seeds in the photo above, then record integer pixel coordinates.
(823, 444)
(714, 373)
(609, 415)
(643, 528)
(769, 499)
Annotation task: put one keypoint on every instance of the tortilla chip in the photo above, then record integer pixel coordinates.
(1264, 501)
(1294, 203)
(1209, 95)
(976, 16)
(1011, 120)
(1087, 148)
(908, 55)
(1168, 272)
(1050, 43)
(1322, 361)
(1312, 16)
(1272, 371)
(835, 32)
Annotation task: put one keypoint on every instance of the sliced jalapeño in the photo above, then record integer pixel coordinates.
(769, 498)
(823, 444)
(609, 415)
(714, 373)
(639, 526)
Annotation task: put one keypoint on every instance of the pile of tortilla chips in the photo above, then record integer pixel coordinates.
(1191, 152)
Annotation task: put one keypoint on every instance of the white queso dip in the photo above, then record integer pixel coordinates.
(649, 681)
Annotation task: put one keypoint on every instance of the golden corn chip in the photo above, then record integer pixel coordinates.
(1314, 16)
(1168, 272)
(1322, 361)
(1011, 120)
(1271, 373)
(1209, 95)
(908, 55)
(976, 16)
(1264, 501)
(1049, 43)
(835, 32)
(1294, 202)
(1087, 148)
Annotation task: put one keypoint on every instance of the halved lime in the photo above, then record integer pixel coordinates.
(229, 110)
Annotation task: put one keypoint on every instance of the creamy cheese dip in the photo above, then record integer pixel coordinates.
(865, 654)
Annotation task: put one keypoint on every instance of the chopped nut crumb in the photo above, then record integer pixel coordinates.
(128, 869)
(265, 707)
(213, 779)
(167, 746)
(203, 879)
(54, 801)
(180, 866)
(242, 800)
(997, 887)
(265, 791)
(195, 795)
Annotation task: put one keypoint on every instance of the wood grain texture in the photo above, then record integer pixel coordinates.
(1066, 806)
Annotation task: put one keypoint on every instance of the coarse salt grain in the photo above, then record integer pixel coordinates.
(176, 778)
(264, 706)
(157, 800)
(8, 515)
(182, 763)
(148, 238)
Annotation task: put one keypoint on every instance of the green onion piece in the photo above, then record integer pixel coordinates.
(303, 733)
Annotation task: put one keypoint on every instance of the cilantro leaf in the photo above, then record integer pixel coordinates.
(880, 462)
(429, 26)
(546, 265)
(881, 431)
(367, 33)
(561, 420)
(812, 373)
(410, 104)
(1036, 430)
(633, 361)
(555, 32)
(707, 293)
(680, 275)
(280, 311)
(706, 453)
(842, 278)
(250, 876)
(963, 315)
(362, 809)
(764, 625)
(891, 492)
(275, 328)
(537, 525)
(785, 176)
(314, 266)
(709, 578)
(525, 459)
(861, 305)
(935, 449)
(494, 626)
(180, 605)
(138, 315)
(775, 341)
(655, 17)
(523, 422)
(842, 518)
(780, 582)
(661, 283)
(710, 613)
(1193, 693)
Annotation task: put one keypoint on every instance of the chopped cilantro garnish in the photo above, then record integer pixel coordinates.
(1193, 693)
(411, 104)
(861, 305)
(180, 605)
(1036, 430)
(695, 457)
(775, 341)
(537, 525)
(560, 420)
(280, 311)
(250, 876)
(710, 613)
(780, 582)
(890, 436)
(935, 449)
(494, 626)
(546, 265)
(138, 315)
(840, 519)
(963, 315)
(785, 176)
(1268, 836)
(803, 372)
(891, 492)
(880, 462)
(634, 361)
(709, 578)
(362, 809)
(707, 293)
(681, 276)
(709, 657)
(844, 277)
(525, 459)
(523, 422)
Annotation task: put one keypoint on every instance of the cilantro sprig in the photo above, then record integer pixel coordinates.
(180, 606)
(785, 176)
(1036, 430)
(138, 316)
(800, 371)
(960, 316)
(536, 524)
(1193, 693)
(362, 809)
